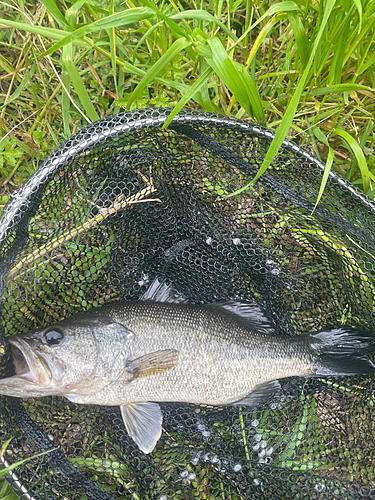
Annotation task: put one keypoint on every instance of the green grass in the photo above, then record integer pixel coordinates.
(303, 68)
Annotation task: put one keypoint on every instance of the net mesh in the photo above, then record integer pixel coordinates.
(123, 204)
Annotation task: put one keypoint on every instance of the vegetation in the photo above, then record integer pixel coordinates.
(304, 68)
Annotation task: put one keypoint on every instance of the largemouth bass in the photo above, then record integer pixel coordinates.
(136, 354)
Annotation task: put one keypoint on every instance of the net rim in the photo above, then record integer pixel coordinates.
(145, 119)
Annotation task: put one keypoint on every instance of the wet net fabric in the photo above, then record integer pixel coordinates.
(125, 206)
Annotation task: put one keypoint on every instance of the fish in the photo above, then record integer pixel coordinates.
(136, 355)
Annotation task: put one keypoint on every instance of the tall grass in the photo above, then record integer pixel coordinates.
(304, 68)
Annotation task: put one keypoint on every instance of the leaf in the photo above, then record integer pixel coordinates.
(24, 84)
(20, 462)
(237, 79)
(203, 15)
(326, 172)
(342, 87)
(358, 153)
(118, 19)
(67, 52)
(41, 30)
(189, 95)
(303, 44)
(171, 53)
(55, 12)
(79, 86)
(177, 30)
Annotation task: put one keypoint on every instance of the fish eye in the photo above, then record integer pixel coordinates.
(53, 337)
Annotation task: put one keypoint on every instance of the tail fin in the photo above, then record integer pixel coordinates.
(343, 351)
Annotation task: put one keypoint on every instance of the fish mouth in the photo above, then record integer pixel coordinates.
(32, 365)
(37, 373)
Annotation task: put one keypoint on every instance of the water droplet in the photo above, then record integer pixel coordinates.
(145, 279)
(236, 241)
(206, 434)
(209, 240)
(237, 468)
(320, 486)
(269, 451)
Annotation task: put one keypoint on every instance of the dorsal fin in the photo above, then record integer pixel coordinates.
(159, 291)
(249, 313)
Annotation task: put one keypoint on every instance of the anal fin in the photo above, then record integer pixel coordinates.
(143, 423)
(261, 394)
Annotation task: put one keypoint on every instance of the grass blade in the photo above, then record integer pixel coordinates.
(176, 29)
(41, 30)
(303, 44)
(172, 52)
(279, 10)
(339, 51)
(358, 4)
(5, 471)
(79, 86)
(112, 42)
(189, 94)
(237, 79)
(342, 87)
(202, 15)
(358, 153)
(21, 88)
(55, 13)
(67, 53)
(326, 172)
(123, 18)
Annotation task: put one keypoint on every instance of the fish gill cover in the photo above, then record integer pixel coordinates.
(126, 210)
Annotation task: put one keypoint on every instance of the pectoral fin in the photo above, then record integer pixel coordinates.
(143, 423)
(153, 363)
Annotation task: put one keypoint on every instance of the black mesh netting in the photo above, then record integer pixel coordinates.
(124, 204)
